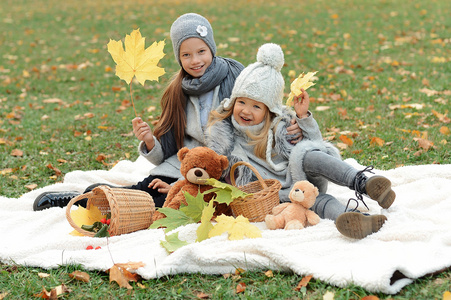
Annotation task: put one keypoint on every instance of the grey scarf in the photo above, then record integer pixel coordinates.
(223, 72)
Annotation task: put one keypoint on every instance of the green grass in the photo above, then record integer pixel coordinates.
(370, 56)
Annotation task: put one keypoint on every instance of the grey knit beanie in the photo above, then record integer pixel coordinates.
(188, 26)
(262, 80)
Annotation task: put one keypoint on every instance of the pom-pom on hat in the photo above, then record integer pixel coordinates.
(188, 26)
(262, 80)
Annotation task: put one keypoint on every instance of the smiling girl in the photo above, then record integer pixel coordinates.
(260, 121)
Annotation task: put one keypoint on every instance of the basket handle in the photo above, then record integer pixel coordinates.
(235, 165)
(69, 218)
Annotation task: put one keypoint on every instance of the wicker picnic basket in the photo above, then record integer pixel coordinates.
(265, 195)
(131, 210)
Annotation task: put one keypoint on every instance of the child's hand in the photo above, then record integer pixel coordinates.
(143, 132)
(301, 104)
(295, 131)
(160, 185)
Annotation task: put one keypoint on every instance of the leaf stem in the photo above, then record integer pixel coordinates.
(131, 97)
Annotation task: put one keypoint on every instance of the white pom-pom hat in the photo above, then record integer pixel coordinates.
(262, 80)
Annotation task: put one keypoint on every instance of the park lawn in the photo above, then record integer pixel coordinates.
(381, 96)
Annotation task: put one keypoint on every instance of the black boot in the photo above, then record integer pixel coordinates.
(56, 199)
(376, 187)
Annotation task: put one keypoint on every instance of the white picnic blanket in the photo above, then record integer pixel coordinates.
(415, 241)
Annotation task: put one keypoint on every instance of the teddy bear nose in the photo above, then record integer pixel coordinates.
(298, 190)
(198, 173)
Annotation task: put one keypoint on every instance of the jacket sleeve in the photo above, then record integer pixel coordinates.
(310, 128)
(155, 156)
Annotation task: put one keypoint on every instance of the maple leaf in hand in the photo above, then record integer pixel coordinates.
(303, 81)
(135, 60)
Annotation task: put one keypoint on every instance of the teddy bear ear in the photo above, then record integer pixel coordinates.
(182, 152)
(224, 162)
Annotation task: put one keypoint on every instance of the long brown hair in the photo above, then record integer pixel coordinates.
(258, 140)
(173, 113)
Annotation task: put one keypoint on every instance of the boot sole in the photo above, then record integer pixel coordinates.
(379, 189)
(357, 226)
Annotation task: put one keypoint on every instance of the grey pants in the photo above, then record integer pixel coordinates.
(320, 164)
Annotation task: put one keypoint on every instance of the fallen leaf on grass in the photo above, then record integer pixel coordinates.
(240, 287)
(304, 282)
(424, 144)
(322, 108)
(328, 296)
(31, 186)
(54, 293)
(119, 273)
(43, 275)
(375, 141)
(202, 295)
(346, 140)
(79, 275)
(16, 152)
(441, 117)
(269, 273)
(370, 297)
(56, 170)
(444, 130)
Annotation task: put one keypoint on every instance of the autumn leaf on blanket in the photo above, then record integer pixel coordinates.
(237, 228)
(205, 226)
(120, 274)
(225, 193)
(196, 205)
(174, 218)
(82, 216)
(303, 81)
(172, 242)
(135, 60)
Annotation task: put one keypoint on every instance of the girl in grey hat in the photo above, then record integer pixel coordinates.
(259, 122)
(203, 81)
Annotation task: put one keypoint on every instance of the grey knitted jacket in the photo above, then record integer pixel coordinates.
(287, 159)
(194, 137)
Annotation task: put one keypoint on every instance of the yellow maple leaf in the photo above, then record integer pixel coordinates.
(303, 81)
(135, 60)
(83, 216)
(237, 228)
(205, 226)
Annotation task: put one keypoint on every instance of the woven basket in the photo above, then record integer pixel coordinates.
(131, 210)
(265, 195)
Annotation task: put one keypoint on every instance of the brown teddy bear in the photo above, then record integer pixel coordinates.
(295, 214)
(197, 164)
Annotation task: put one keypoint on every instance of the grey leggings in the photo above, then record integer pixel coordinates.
(319, 164)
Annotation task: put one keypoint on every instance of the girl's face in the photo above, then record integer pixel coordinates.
(249, 112)
(195, 56)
